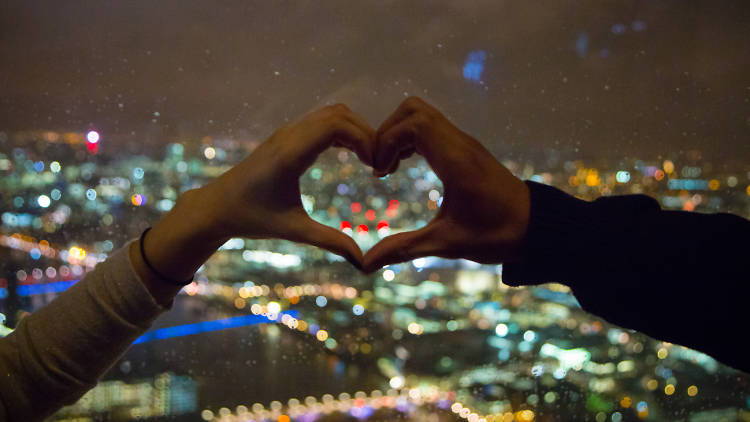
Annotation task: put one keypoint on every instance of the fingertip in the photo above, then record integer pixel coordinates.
(402, 247)
(377, 257)
(367, 271)
(334, 241)
(356, 264)
(379, 173)
(351, 250)
(351, 257)
(393, 167)
(386, 164)
(368, 268)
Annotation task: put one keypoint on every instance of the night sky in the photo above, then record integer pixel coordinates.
(593, 78)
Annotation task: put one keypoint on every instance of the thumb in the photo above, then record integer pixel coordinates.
(403, 247)
(328, 238)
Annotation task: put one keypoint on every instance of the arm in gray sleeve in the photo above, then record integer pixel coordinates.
(59, 352)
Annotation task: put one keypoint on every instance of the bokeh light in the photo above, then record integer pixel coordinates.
(92, 137)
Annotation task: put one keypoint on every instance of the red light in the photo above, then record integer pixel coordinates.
(93, 148)
(382, 224)
(370, 215)
(393, 203)
(356, 207)
(345, 225)
(362, 229)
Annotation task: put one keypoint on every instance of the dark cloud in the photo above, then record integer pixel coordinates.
(652, 78)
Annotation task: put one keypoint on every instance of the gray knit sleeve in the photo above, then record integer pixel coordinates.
(57, 353)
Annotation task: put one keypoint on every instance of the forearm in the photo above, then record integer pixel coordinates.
(176, 247)
(676, 276)
(60, 351)
(57, 353)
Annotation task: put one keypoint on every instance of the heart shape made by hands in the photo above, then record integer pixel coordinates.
(483, 217)
(341, 192)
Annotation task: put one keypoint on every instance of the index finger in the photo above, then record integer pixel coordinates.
(365, 151)
(407, 107)
(329, 126)
(443, 149)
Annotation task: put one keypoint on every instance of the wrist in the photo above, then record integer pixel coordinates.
(183, 239)
(558, 235)
(160, 290)
(194, 218)
(519, 223)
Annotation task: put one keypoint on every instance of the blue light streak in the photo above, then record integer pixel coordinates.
(162, 333)
(37, 289)
(206, 326)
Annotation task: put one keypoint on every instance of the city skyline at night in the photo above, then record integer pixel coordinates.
(111, 111)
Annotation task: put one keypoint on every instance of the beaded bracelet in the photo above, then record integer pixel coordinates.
(151, 267)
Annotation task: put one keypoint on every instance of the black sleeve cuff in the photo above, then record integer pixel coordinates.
(566, 234)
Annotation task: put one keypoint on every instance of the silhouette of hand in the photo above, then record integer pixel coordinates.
(260, 197)
(485, 210)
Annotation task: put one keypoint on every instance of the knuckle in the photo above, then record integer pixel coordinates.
(413, 103)
(336, 109)
(340, 107)
(420, 121)
(337, 122)
(416, 105)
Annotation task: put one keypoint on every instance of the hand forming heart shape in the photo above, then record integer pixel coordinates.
(485, 210)
(483, 216)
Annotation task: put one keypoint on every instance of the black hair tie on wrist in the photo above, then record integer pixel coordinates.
(151, 267)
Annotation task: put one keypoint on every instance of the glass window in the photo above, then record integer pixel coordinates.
(109, 111)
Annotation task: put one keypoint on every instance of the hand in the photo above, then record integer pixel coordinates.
(485, 209)
(258, 198)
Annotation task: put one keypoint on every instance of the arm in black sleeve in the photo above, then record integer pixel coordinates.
(673, 275)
